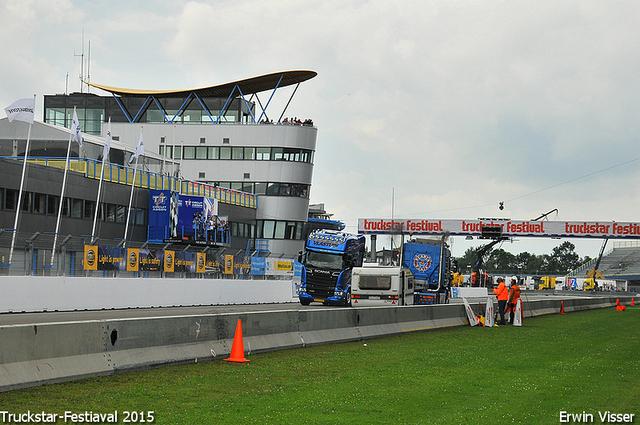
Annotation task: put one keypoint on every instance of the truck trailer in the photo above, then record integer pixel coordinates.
(381, 286)
(423, 277)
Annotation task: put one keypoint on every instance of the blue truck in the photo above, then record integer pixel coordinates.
(327, 261)
(430, 263)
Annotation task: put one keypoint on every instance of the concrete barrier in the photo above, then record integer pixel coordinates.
(34, 294)
(32, 355)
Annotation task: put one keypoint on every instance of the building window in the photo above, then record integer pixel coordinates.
(89, 209)
(276, 154)
(249, 153)
(110, 213)
(189, 152)
(201, 152)
(77, 208)
(203, 140)
(201, 175)
(273, 189)
(260, 189)
(263, 154)
(225, 140)
(66, 207)
(39, 203)
(121, 213)
(279, 231)
(225, 152)
(269, 226)
(27, 199)
(238, 153)
(52, 204)
(272, 229)
(140, 216)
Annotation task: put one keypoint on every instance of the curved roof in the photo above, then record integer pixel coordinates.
(247, 86)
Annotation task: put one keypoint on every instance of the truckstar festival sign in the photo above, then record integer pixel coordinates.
(510, 228)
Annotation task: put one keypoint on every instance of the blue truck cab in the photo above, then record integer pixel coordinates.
(430, 264)
(328, 259)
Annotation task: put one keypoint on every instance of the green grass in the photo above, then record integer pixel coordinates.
(584, 361)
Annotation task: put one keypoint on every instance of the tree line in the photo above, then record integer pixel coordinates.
(561, 261)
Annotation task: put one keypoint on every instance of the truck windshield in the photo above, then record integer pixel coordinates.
(324, 260)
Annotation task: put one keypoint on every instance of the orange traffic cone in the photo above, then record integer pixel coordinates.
(237, 349)
(562, 307)
(617, 302)
(621, 308)
(632, 303)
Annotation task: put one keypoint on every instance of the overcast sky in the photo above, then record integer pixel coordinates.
(444, 107)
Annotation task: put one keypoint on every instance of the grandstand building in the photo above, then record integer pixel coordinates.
(218, 136)
(219, 141)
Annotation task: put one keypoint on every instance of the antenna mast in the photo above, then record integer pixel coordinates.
(89, 66)
(81, 62)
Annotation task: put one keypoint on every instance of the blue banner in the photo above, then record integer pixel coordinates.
(159, 212)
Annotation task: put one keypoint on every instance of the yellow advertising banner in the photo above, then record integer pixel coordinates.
(90, 257)
(200, 264)
(169, 261)
(133, 259)
(285, 266)
(228, 264)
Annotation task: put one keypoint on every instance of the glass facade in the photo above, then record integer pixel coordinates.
(237, 153)
(279, 229)
(270, 189)
(40, 203)
(93, 110)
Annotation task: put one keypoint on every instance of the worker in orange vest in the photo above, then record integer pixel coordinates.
(514, 295)
(502, 293)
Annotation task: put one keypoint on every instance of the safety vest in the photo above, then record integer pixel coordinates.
(501, 292)
(514, 294)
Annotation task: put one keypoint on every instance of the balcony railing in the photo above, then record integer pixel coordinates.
(148, 180)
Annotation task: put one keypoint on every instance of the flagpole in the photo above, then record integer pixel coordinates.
(105, 152)
(126, 227)
(64, 183)
(19, 206)
(133, 184)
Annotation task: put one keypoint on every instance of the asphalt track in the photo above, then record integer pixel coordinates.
(8, 319)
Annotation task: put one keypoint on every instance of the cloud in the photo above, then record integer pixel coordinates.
(452, 106)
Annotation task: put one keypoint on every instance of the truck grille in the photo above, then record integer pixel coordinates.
(320, 285)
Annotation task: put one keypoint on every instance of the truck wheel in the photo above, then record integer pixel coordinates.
(305, 302)
(347, 301)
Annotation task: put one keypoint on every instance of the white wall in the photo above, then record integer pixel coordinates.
(32, 294)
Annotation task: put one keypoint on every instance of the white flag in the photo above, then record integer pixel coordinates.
(139, 150)
(75, 129)
(22, 110)
(107, 142)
